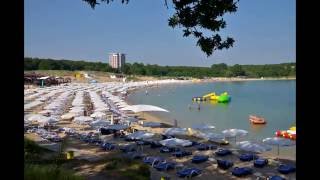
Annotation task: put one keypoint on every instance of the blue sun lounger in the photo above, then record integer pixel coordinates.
(108, 146)
(166, 149)
(286, 169)
(224, 164)
(276, 178)
(155, 144)
(241, 171)
(142, 143)
(151, 160)
(223, 152)
(128, 148)
(181, 153)
(260, 162)
(248, 157)
(203, 147)
(189, 172)
(164, 166)
(199, 158)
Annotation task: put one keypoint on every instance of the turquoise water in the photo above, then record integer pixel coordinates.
(273, 100)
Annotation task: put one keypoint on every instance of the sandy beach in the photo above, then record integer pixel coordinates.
(91, 157)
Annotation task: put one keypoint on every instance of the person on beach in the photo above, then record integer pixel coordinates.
(175, 123)
(189, 106)
(146, 92)
(198, 107)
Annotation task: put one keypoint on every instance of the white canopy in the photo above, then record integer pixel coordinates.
(140, 135)
(174, 142)
(143, 108)
(277, 141)
(234, 133)
(215, 137)
(253, 146)
(177, 131)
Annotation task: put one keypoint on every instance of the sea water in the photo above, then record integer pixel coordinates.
(275, 100)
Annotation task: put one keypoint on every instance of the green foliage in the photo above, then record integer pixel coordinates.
(48, 172)
(216, 70)
(197, 18)
(129, 168)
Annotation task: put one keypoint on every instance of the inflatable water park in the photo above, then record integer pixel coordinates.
(222, 98)
(289, 134)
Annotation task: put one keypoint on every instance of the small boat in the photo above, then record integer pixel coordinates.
(257, 120)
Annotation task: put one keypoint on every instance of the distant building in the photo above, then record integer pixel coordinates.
(117, 60)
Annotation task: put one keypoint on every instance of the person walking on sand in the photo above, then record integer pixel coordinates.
(198, 107)
(189, 106)
(175, 123)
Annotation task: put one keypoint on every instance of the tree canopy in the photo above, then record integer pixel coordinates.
(197, 17)
(216, 70)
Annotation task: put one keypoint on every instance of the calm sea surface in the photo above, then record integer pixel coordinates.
(273, 100)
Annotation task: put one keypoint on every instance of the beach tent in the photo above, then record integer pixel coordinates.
(143, 108)
(202, 127)
(234, 133)
(278, 141)
(253, 146)
(177, 131)
(174, 142)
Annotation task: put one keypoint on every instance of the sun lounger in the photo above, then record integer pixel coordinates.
(166, 149)
(128, 148)
(167, 137)
(108, 146)
(134, 155)
(199, 158)
(181, 153)
(286, 169)
(155, 144)
(189, 172)
(275, 178)
(247, 157)
(224, 164)
(142, 143)
(151, 160)
(203, 147)
(241, 171)
(164, 166)
(223, 152)
(260, 162)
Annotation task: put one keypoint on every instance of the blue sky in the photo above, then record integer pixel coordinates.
(264, 32)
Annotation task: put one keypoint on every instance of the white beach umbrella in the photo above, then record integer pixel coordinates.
(253, 146)
(82, 119)
(202, 127)
(98, 115)
(143, 108)
(234, 133)
(277, 141)
(140, 135)
(99, 122)
(214, 137)
(37, 117)
(177, 131)
(68, 115)
(174, 142)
